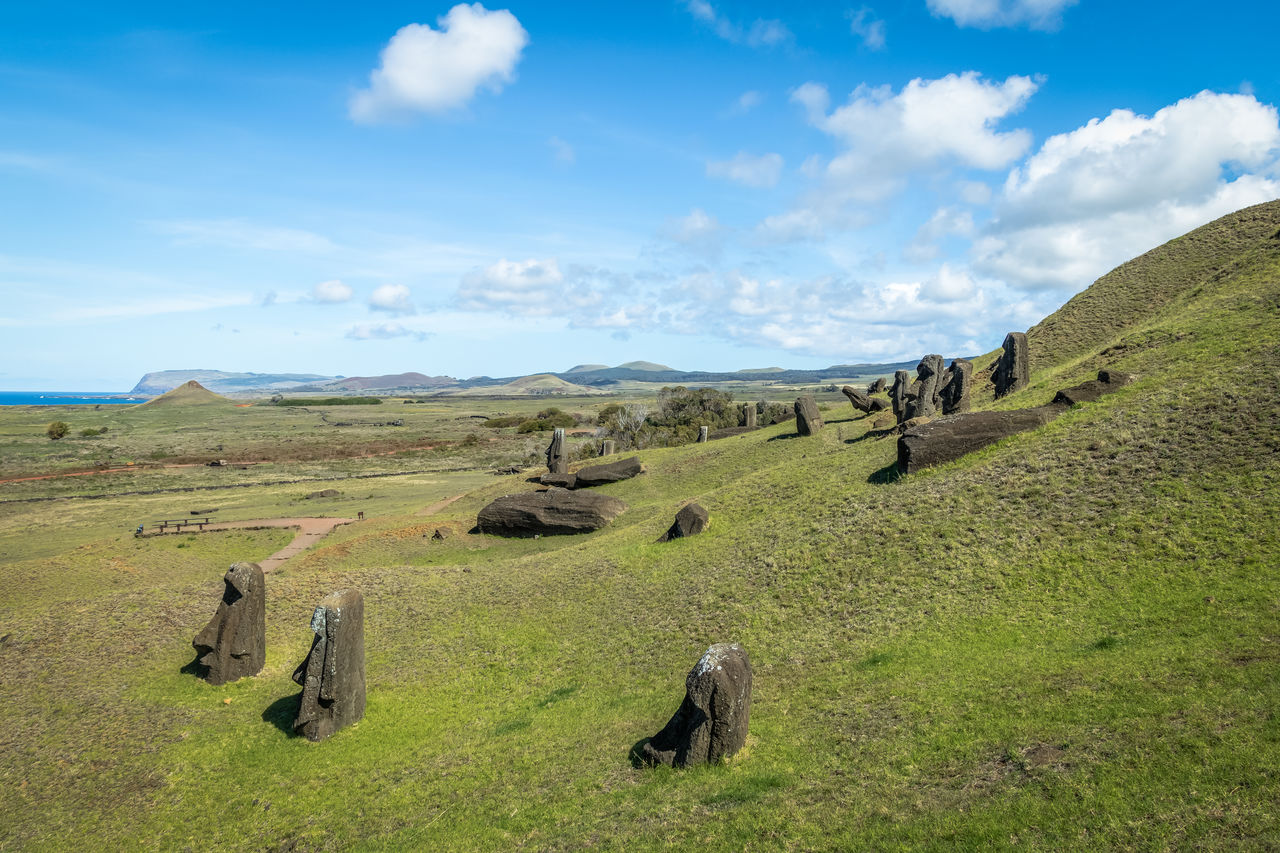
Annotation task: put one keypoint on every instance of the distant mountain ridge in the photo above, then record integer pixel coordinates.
(224, 382)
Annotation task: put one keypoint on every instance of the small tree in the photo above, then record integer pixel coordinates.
(57, 430)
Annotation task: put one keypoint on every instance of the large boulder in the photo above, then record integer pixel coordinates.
(609, 472)
(557, 457)
(898, 394)
(944, 439)
(808, 420)
(927, 385)
(560, 481)
(690, 521)
(956, 383)
(332, 675)
(1013, 369)
(555, 511)
(1087, 392)
(711, 723)
(234, 643)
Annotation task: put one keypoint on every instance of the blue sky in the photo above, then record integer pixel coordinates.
(514, 187)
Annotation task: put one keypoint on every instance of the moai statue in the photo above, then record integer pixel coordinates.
(898, 394)
(860, 401)
(749, 415)
(711, 723)
(877, 386)
(704, 434)
(929, 379)
(1013, 370)
(332, 676)
(557, 459)
(691, 520)
(234, 643)
(808, 420)
(608, 447)
(955, 387)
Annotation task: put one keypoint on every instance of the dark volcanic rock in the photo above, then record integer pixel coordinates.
(711, 723)
(548, 513)
(608, 447)
(944, 439)
(898, 394)
(332, 676)
(877, 387)
(560, 481)
(808, 420)
(610, 472)
(749, 415)
(234, 643)
(860, 401)
(1013, 370)
(1087, 392)
(955, 387)
(690, 521)
(557, 460)
(878, 404)
(928, 384)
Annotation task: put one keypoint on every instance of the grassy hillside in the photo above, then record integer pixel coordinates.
(190, 393)
(1069, 640)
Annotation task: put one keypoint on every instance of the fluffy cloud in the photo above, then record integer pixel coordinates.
(1098, 195)
(382, 332)
(946, 221)
(530, 288)
(393, 298)
(330, 292)
(762, 171)
(1036, 14)
(429, 70)
(760, 33)
(865, 25)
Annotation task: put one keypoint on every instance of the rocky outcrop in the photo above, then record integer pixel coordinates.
(609, 472)
(1013, 370)
(557, 457)
(926, 387)
(690, 521)
(898, 394)
(549, 513)
(954, 393)
(332, 675)
(808, 420)
(711, 723)
(234, 643)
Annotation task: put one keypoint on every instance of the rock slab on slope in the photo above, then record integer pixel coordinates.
(234, 643)
(690, 521)
(549, 513)
(332, 675)
(1087, 392)
(711, 723)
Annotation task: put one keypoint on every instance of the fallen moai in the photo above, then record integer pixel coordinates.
(690, 521)
(859, 400)
(332, 675)
(234, 643)
(711, 723)
(944, 439)
(596, 475)
(808, 419)
(548, 513)
(956, 382)
(557, 460)
(1013, 369)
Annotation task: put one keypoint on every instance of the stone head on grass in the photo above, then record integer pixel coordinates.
(332, 675)
(234, 643)
(711, 723)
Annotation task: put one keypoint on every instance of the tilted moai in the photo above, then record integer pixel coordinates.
(860, 401)
(691, 520)
(878, 386)
(711, 723)
(928, 383)
(808, 420)
(557, 459)
(234, 643)
(955, 387)
(749, 415)
(704, 434)
(898, 394)
(332, 676)
(1013, 370)
(608, 447)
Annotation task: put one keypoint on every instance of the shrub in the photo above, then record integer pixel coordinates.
(90, 432)
(57, 430)
(504, 421)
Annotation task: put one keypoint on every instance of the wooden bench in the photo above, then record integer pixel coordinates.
(164, 526)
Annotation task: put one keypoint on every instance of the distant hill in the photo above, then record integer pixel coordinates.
(757, 370)
(192, 393)
(645, 365)
(223, 382)
(582, 368)
(388, 382)
(538, 384)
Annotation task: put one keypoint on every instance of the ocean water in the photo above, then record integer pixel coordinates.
(68, 398)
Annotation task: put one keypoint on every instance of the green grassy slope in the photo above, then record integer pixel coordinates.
(1070, 639)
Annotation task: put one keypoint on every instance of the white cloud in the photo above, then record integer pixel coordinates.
(746, 102)
(1092, 198)
(429, 70)
(865, 25)
(331, 291)
(760, 33)
(562, 150)
(531, 287)
(946, 221)
(698, 226)
(762, 171)
(984, 14)
(393, 298)
(382, 332)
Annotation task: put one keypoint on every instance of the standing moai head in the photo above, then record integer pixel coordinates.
(928, 383)
(234, 643)
(332, 675)
(1013, 370)
(898, 394)
(860, 401)
(955, 387)
(704, 434)
(749, 415)
(608, 447)
(691, 520)
(711, 723)
(557, 460)
(808, 420)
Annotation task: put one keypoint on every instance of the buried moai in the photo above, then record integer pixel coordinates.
(557, 458)
(926, 387)
(1013, 370)
(954, 392)
(234, 643)
(690, 521)
(898, 394)
(808, 420)
(332, 675)
(711, 723)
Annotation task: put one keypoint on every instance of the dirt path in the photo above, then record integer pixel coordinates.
(310, 531)
(439, 505)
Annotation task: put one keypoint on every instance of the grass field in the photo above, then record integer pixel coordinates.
(1069, 640)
